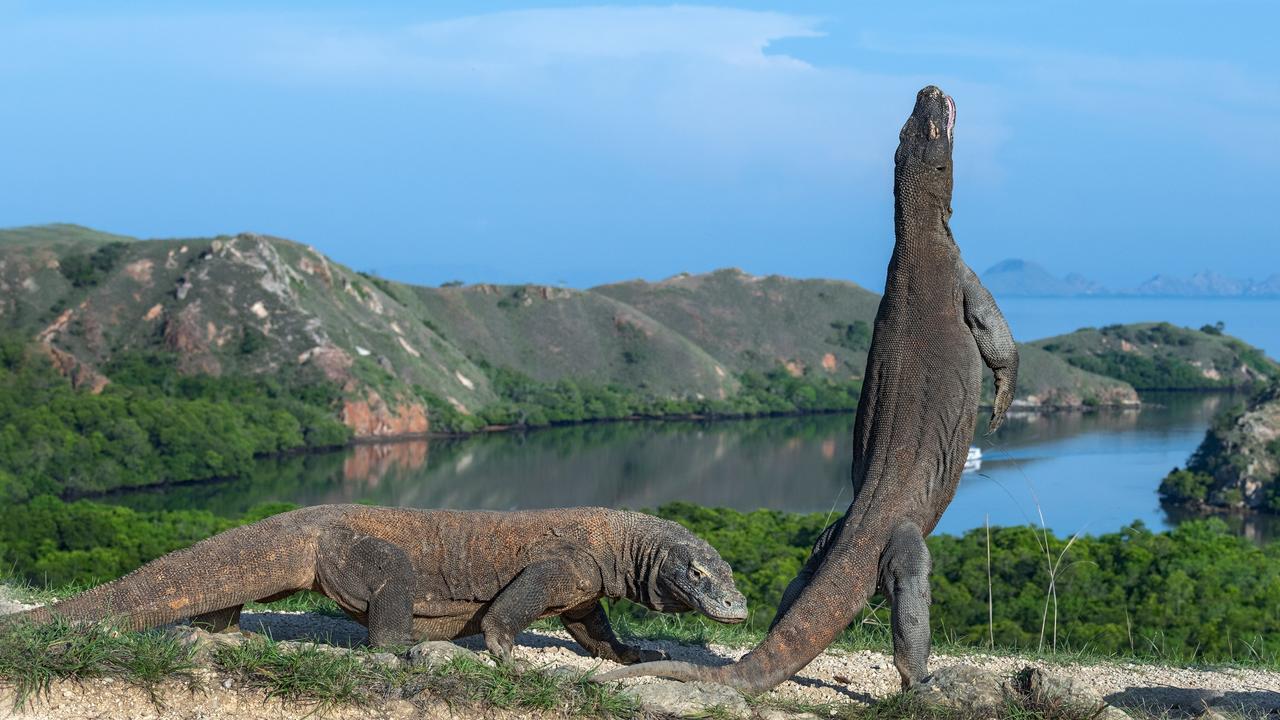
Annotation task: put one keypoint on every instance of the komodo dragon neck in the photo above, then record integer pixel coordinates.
(638, 544)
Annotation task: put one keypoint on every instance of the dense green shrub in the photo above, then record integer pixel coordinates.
(1183, 486)
(531, 403)
(88, 269)
(1196, 592)
(149, 426)
(51, 542)
(855, 336)
(1147, 373)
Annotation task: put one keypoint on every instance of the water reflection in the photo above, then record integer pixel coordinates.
(1096, 471)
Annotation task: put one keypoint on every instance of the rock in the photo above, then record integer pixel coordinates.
(1211, 714)
(382, 658)
(204, 642)
(963, 686)
(434, 653)
(80, 374)
(1052, 690)
(567, 672)
(778, 714)
(374, 417)
(669, 697)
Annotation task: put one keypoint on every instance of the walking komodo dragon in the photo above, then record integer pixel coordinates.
(431, 574)
(936, 327)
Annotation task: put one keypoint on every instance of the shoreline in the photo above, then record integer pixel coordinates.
(524, 429)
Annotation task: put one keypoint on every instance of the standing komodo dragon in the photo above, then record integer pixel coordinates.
(936, 327)
(431, 574)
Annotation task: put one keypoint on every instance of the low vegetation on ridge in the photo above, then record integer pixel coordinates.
(1162, 356)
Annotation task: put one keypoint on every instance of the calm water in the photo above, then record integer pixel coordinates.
(1088, 471)
(1253, 321)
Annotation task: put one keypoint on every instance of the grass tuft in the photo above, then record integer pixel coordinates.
(307, 601)
(510, 686)
(307, 674)
(34, 656)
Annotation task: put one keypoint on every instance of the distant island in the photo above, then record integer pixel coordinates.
(1023, 278)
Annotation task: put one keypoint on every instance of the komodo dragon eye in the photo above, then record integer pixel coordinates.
(696, 572)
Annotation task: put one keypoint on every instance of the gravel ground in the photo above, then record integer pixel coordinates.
(859, 677)
(862, 677)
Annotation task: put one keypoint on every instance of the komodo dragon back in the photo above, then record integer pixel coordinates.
(935, 329)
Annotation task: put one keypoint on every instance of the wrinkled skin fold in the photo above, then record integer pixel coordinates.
(936, 328)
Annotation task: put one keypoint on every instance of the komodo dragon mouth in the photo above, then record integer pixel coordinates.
(951, 117)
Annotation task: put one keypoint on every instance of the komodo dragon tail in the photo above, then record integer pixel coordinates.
(819, 614)
(267, 558)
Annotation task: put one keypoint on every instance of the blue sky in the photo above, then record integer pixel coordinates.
(560, 142)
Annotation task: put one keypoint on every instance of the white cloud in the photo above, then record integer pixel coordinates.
(515, 45)
(678, 89)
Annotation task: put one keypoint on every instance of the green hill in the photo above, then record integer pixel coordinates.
(550, 334)
(408, 358)
(823, 327)
(1161, 356)
(760, 323)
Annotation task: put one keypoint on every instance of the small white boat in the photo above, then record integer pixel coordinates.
(973, 461)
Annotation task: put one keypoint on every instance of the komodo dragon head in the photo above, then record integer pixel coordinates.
(694, 577)
(922, 163)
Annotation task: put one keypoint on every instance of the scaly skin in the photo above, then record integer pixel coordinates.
(412, 575)
(935, 329)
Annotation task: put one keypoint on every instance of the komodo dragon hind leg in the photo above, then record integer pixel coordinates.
(904, 578)
(995, 342)
(541, 585)
(226, 620)
(358, 570)
(589, 625)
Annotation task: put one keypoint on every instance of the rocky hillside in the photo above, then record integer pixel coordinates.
(252, 304)
(1237, 466)
(1160, 356)
(758, 323)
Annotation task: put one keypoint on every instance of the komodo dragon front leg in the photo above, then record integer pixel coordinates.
(552, 585)
(589, 625)
(372, 580)
(995, 342)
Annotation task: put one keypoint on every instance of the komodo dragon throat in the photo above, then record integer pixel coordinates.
(935, 328)
(431, 574)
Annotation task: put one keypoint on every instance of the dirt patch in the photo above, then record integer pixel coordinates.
(140, 271)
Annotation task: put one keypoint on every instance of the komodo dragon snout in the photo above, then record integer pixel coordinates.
(694, 576)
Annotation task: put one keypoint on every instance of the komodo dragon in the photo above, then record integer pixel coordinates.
(935, 328)
(431, 574)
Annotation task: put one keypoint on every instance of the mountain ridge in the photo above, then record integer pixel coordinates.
(408, 357)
